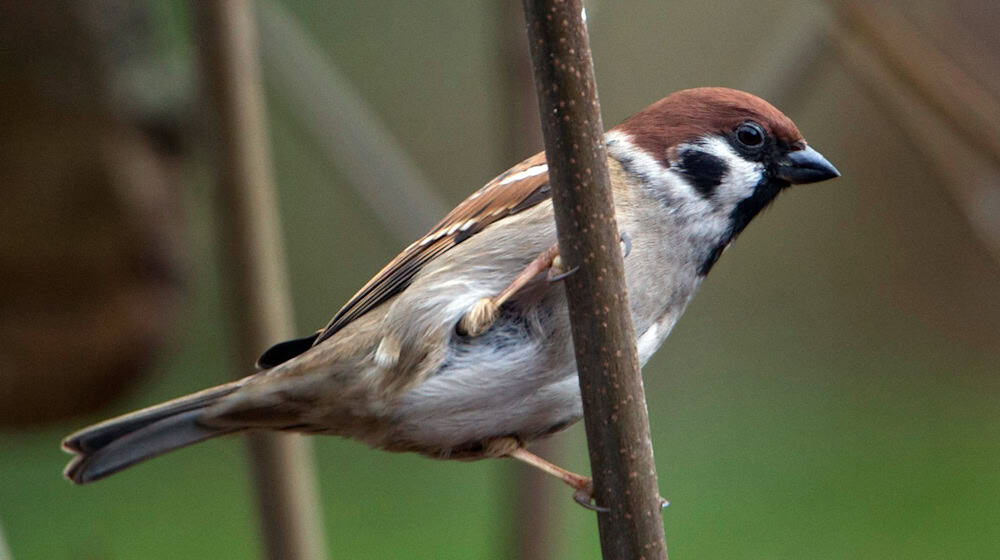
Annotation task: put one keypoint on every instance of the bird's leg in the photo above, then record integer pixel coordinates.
(556, 272)
(478, 319)
(484, 312)
(583, 486)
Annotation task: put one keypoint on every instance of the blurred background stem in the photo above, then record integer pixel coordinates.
(4, 550)
(352, 136)
(282, 465)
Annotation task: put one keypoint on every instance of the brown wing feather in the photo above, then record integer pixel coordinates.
(519, 188)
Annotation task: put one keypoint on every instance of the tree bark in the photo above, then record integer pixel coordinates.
(614, 404)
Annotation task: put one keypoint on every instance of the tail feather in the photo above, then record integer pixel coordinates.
(121, 442)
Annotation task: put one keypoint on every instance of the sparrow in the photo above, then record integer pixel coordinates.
(460, 348)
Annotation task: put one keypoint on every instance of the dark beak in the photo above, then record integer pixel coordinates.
(805, 166)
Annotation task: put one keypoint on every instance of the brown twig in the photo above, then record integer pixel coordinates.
(283, 472)
(614, 404)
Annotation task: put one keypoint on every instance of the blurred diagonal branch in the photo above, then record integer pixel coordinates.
(969, 108)
(284, 479)
(326, 105)
(967, 168)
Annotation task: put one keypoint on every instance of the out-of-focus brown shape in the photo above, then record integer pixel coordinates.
(88, 219)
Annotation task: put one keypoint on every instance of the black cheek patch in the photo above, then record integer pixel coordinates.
(704, 170)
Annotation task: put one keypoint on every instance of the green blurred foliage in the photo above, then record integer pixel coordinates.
(831, 393)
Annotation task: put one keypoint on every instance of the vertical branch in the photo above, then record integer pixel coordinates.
(614, 404)
(282, 467)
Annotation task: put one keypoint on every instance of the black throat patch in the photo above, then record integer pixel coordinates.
(746, 210)
(704, 170)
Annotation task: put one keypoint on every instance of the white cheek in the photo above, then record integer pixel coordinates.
(741, 179)
(639, 162)
(664, 180)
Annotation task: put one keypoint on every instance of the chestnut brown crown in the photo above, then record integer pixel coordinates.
(693, 113)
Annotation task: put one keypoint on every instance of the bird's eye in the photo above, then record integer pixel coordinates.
(750, 134)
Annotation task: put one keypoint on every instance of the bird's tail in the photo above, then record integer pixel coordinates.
(106, 448)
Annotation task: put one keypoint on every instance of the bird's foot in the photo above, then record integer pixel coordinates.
(478, 320)
(558, 272)
(582, 485)
(585, 497)
(484, 312)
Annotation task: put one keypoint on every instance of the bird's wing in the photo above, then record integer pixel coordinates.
(520, 187)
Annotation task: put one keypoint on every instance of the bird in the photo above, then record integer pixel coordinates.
(460, 347)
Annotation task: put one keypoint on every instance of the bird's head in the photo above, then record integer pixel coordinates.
(716, 157)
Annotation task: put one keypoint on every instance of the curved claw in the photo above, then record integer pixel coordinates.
(585, 497)
(563, 275)
(626, 239)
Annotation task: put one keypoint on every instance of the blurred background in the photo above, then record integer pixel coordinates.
(832, 392)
